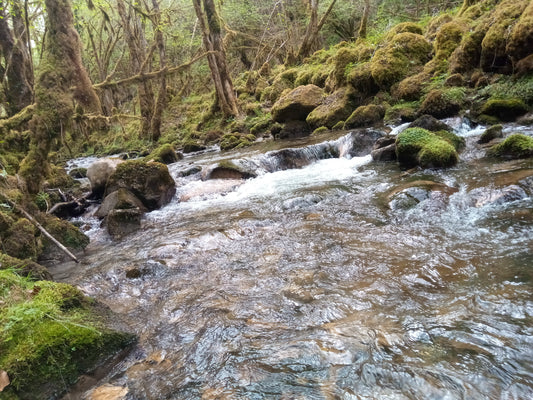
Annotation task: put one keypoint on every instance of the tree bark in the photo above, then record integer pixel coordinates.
(310, 42)
(17, 79)
(136, 42)
(466, 4)
(364, 21)
(161, 100)
(62, 79)
(209, 22)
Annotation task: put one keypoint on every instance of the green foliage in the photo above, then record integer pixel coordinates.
(48, 335)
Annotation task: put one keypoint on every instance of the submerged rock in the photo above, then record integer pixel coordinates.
(121, 222)
(411, 194)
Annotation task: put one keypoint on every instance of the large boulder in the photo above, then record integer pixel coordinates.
(121, 222)
(99, 172)
(520, 43)
(362, 142)
(417, 146)
(150, 182)
(504, 109)
(365, 116)
(336, 107)
(121, 199)
(297, 104)
(438, 104)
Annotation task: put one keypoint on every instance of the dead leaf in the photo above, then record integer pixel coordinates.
(4, 380)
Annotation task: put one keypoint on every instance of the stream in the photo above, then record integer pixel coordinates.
(343, 279)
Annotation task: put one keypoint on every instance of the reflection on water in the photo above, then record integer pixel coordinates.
(320, 283)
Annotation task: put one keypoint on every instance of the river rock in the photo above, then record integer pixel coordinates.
(362, 141)
(293, 130)
(123, 222)
(336, 107)
(491, 133)
(227, 170)
(121, 199)
(384, 149)
(429, 123)
(109, 392)
(99, 172)
(411, 194)
(150, 182)
(297, 104)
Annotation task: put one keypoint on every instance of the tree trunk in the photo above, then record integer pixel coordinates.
(466, 4)
(364, 21)
(17, 79)
(136, 42)
(209, 22)
(310, 42)
(61, 80)
(161, 100)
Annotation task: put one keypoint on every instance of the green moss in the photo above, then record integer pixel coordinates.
(457, 142)
(515, 146)
(520, 43)
(164, 154)
(409, 27)
(435, 24)
(320, 130)
(417, 146)
(440, 104)
(236, 140)
(335, 107)
(68, 234)
(20, 240)
(49, 335)
(364, 116)
(494, 56)
(26, 268)
(339, 126)
(448, 37)
(491, 133)
(412, 87)
(504, 109)
(397, 59)
(359, 76)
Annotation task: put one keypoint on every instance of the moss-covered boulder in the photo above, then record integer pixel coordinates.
(51, 334)
(494, 54)
(448, 38)
(515, 146)
(297, 104)
(236, 140)
(520, 42)
(417, 146)
(150, 182)
(360, 78)
(466, 56)
(164, 154)
(504, 109)
(68, 234)
(20, 240)
(365, 116)
(27, 268)
(403, 54)
(491, 133)
(439, 105)
(121, 199)
(404, 27)
(336, 107)
(412, 87)
(524, 66)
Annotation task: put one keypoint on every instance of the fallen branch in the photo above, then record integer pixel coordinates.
(144, 76)
(40, 227)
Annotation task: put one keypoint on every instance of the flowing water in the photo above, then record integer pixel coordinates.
(343, 279)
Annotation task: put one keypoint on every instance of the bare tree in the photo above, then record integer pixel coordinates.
(210, 24)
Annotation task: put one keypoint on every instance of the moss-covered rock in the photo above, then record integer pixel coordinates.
(439, 105)
(334, 108)
(417, 146)
(435, 24)
(164, 154)
(319, 130)
(360, 78)
(68, 234)
(365, 116)
(398, 58)
(227, 170)
(404, 27)
(236, 140)
(466, 56)
(494, 55)
(515, 146)
(504, 109)
(491, 133)
(448, 38)
(297, 104)
(27, 268)
(21, 240)
(520, 42)
(412, 87)
(524, 66)
(51, 334)
(150, 182)
(122, 199)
